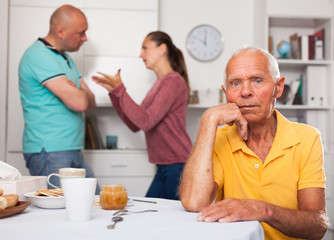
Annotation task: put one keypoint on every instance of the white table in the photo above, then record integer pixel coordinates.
(170, 222)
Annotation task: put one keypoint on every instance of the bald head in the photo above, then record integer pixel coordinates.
(63, 16)
(68, 26)
(271, 61)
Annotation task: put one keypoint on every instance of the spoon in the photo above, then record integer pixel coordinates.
(115, 220)
(125, 212)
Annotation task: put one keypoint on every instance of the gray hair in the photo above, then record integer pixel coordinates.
(272, 63)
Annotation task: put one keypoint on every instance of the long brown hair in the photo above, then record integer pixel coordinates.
(175, 56)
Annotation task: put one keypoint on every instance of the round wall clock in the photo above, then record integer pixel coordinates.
(205, 43)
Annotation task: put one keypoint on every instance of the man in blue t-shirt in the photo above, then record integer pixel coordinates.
(54, 95)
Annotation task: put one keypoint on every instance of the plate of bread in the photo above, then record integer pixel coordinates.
(10, 205)
(48, 198)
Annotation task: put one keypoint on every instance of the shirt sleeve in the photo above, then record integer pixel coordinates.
(116, 104)
(43, 67)
(147, 117)
(312, 168)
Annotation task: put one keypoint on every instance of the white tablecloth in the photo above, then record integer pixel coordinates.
(170, 222)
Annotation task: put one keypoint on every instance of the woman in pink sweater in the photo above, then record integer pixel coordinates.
(161, 115)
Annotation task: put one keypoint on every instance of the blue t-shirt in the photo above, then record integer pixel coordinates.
(49, 123)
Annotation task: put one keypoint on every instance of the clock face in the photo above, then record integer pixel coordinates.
(205, 43)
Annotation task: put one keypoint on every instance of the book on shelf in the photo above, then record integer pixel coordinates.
(311, 47)
(270, 44)
(308, 47)
(295, 46)
(89, 137)
(93, 136)
(300, 95)
(294, 86)
(303, 46)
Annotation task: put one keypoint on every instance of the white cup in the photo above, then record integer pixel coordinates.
(79, 196)
(66, 173)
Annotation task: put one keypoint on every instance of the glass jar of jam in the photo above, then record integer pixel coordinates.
(113, 197)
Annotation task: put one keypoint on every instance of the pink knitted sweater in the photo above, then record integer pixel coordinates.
(161, 115)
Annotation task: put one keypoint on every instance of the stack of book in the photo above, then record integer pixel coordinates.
(308, 47)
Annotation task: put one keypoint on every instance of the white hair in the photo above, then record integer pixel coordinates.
(272, 63)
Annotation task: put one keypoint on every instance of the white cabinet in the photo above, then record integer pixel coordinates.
(130, 168)
(115, 36)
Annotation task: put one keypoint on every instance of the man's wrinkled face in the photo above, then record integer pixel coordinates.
(249, 84)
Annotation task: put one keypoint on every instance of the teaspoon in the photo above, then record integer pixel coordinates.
(115, 220)
(125, 212)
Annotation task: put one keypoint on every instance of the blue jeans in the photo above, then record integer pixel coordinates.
(45, 163)
(166, 182)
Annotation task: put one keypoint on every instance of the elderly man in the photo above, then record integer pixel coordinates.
(54, 95)
(261, 167)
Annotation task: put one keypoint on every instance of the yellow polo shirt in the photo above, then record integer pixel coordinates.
(295, 161)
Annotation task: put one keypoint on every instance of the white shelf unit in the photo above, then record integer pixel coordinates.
(281, 27)
(305, 18)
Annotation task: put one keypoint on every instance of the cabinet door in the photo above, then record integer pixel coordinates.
(130, 168)
(114, 42)
(119, 163)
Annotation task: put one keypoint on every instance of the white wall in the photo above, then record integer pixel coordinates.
(3, 75)
(235, 23)
(234, 19)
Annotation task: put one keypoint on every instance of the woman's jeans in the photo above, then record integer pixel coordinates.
(166, 182)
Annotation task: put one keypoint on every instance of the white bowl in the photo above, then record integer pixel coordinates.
(45, 202)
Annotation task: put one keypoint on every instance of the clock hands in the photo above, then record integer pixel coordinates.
(201, 40)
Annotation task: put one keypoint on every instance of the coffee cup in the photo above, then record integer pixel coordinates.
(79, 196)
(65, 173)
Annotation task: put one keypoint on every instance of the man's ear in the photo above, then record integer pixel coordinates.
(223, 87)
(224, 90)
(279, 87)
(60, 31)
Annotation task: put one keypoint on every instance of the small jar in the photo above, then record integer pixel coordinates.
(113, 197)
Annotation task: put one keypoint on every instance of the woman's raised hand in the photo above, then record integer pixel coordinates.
(109, 82)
